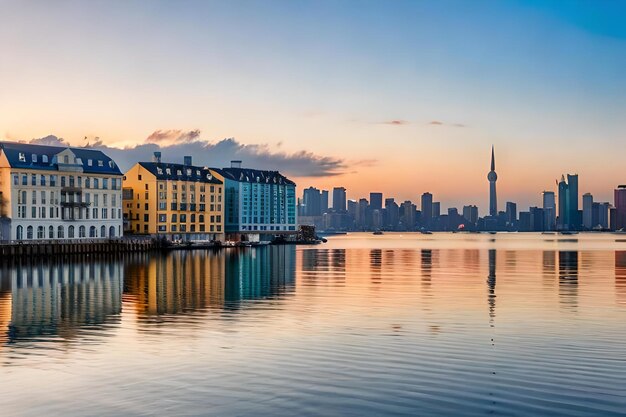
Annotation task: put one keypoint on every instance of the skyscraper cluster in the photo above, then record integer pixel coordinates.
(559, 211)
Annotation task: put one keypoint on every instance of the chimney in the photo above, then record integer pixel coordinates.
(156, 157)
(235, 164)
(187, 160)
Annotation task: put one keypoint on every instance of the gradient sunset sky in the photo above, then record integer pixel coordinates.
(392, 96)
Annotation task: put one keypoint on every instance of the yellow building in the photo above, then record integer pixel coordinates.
(177, 201)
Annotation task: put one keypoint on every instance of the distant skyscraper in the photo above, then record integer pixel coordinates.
(470, 213)
(549, 210)
(311, 200)
(392, 214)
(324, 201)
(339, 199)
(569, 217)
(620, 207)
(493, 177)
(511, 213)
(436, 209)
(427, 208)
(408, 213)
(563, 212)
(376, 201)
(361, 214)
(572, 201)
(588, 211)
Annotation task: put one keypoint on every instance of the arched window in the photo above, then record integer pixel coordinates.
(92, 231)
(29, 232)
(81, 231)
(60, 233)
(111, 231)
(19, 233)
(51, 232)
(41, 234)
(103, 231)
(70, 232)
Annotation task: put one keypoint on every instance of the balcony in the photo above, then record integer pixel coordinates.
(75, 204)
(72, 189)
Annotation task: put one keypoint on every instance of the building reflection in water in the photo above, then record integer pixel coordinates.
(376, 265)
(549, 267)
(620, 277)
(259, 273)
(173, 283)
(568, 278)
(330, 261)
(57, 298)
(491, 285)
(188, 282)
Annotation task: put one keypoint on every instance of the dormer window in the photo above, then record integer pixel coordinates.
(159, 171)
(90, 162)
(179, 172)
(111, 164)
(44, 158)
(198, 173)
(189, 173)
(22, 157)
(66, 159)
(34, 157)
(100, 163)
(168, 171)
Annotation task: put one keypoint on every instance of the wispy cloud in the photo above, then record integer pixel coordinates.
(174, 144)
(396, 122)
(173, 136)
(440, 123)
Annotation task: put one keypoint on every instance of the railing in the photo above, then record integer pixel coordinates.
(71, 189)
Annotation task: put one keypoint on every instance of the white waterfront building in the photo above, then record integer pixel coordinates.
(51, 192)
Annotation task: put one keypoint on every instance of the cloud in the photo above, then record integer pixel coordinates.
(440, 123)
(173, 136)
(49, 140)
(174, 146)
(396, 122)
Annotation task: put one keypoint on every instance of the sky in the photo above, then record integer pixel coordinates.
(400, 97)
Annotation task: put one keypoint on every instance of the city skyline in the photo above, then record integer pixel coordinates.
(330, 90)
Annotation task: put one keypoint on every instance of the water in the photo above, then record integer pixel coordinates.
(442, 324)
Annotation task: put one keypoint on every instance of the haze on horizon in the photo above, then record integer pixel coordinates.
(401, 97)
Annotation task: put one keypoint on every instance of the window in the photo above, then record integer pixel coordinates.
(81, 231)
(44, 158)
(60, 232)
(16, 180)
(42, 180)
(19, 233)
(174, 218)
(40, 232)
(22, 158)
(70, 232)
(96, 183)
(103, 231)
(62, 181)
(146, 217)
(24, 179)
(33, 179)
(162, 218)
(87, 182)
(100, 163)
(111, 231)
(90, 162)
(34, 197)
(105, 183)
(34, 158)
(51, 232)
(53, 180)
(92, 231)
(29, 232)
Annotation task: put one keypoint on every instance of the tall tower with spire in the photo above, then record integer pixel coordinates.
(493, 177)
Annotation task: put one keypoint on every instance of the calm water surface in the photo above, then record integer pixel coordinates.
(398, 324)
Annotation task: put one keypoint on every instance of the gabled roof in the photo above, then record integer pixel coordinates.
(20, 155)
(254, 176)
(180, 172)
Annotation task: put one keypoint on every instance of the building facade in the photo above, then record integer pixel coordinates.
(176, 201)
(52, 192)
(257, 201)
(620, 207)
